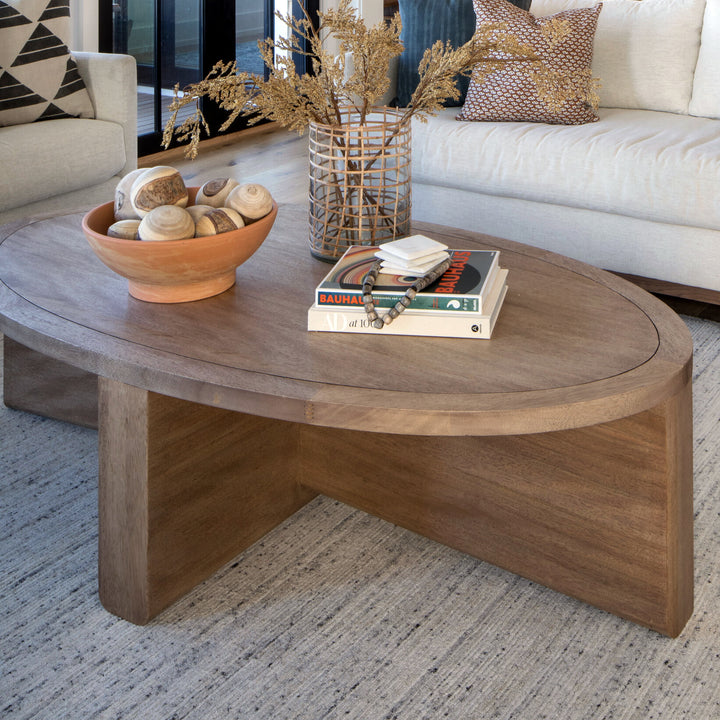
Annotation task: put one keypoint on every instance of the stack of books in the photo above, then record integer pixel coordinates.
(463, 303)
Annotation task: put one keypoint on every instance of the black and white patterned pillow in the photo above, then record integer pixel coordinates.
(39, 79)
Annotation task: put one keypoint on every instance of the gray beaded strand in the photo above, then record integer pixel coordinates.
(420, 284)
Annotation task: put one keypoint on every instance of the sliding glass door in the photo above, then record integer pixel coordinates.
(179, 41)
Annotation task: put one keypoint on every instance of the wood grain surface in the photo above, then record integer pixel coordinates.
(39, 384)
(561, 449)
(183, 488)
(601, 513)
(573, 345)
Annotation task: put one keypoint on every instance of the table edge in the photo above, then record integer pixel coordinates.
(316, 403)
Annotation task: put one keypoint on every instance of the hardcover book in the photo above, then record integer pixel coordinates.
(422, 323)
(462, 288)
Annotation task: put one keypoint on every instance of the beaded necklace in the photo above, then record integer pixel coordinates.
(420, 284)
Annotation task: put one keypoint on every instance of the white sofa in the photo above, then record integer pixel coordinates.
(637, 192)
(73, 163)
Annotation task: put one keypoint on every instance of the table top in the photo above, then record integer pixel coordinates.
(573, 345)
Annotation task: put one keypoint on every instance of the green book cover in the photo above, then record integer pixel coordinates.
(459, 289)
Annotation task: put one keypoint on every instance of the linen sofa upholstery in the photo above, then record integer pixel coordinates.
(73, 163)
(635, 192)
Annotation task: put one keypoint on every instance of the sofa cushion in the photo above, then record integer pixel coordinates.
(706, 85)
(645, 50)
(424, 22)
(644, 164)
(512, 92)
(39, 79)
(52, 158)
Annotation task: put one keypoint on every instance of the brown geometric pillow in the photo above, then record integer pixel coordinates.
(39, 80)
(560, 90)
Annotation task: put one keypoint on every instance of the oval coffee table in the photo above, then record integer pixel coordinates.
(560, 450)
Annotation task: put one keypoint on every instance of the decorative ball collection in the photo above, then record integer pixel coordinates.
(215, 192)
(153, 204)
(124, 229)
(166, 222)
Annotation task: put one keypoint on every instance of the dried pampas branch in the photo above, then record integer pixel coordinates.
(357, 75)
(556, 88)
(294, 101)
(488, 50)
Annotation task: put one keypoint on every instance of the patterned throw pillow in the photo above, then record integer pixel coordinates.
(518, 91)
(39, 80)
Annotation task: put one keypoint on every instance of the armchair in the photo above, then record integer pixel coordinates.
(73, 163)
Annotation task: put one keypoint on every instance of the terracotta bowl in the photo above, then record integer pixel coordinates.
(175, 270)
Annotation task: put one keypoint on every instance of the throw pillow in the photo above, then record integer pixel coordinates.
(705, 99)
(645, 52)
(424, 22)
(39, 80)
(519, 90)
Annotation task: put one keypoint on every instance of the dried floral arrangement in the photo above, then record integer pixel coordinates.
(554, 87)
(360, 186)
(356, 76)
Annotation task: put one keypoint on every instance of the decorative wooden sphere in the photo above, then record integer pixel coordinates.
(220, 220)
(161, 185)
(123, 208)
(251, 200)
(167, 222)
(197, 211)
(214, 192)
(125, 229)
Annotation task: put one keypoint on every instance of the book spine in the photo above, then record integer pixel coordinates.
(439, 325)
(353, 322)
(352, 299)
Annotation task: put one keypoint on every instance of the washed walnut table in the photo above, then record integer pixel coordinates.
(561, 449)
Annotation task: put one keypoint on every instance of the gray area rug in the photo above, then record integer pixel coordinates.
(334, 614)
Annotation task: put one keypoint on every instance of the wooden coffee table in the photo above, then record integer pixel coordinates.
(560, 450)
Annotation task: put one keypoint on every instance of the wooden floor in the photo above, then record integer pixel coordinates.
(278, 159)
(146, 112)
(274, 158)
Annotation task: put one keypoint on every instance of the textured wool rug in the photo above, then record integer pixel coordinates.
(334, 614)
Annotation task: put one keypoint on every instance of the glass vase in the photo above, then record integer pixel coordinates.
(360, 184)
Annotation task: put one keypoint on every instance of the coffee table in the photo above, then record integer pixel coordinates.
(560, 450)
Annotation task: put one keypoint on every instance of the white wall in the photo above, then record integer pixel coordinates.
(84, 24)
(371, 10)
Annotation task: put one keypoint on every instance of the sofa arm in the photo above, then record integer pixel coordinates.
(111, 80)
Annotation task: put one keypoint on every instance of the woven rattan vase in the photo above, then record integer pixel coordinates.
(359, 182)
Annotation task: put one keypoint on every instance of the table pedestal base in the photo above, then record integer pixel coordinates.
(39, 384)
(602, 513)
(183, 488)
